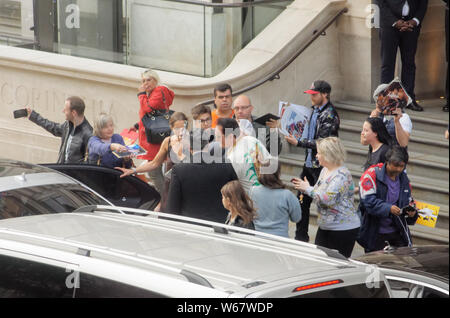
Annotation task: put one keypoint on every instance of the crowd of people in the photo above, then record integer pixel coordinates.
(224, 167)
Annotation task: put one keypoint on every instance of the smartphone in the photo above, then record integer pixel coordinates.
(20, 113)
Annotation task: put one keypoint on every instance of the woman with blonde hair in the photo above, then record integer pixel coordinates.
(152, 96)
(235, 199)
(104, 141)
(333, 193)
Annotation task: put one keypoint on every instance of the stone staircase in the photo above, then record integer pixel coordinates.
(428, 168)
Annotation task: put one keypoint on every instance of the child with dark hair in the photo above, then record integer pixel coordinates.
(235, 199)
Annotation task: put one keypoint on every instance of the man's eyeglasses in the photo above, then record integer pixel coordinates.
(242, 107)
(203, 121)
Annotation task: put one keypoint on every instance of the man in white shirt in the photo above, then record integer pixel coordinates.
(398, 125)
(400, 23)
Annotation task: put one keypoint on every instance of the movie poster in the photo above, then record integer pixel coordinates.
(294, 119)
(393, 96)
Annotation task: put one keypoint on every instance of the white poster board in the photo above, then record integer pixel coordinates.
(294, 119)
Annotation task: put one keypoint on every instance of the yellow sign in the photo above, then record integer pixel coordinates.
(428, 214)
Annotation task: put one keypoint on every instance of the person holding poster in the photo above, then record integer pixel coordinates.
(324, 122)
(389, 109)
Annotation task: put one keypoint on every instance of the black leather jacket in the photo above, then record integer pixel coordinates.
(327, 125)
(80, 138)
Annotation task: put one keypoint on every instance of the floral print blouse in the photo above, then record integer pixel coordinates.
(333, 195)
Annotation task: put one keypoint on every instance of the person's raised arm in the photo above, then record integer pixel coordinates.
(54, 128)
(400, 133)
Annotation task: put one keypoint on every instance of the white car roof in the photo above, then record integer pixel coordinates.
(227, 261)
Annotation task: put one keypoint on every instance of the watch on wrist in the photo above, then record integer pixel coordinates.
(134, 171)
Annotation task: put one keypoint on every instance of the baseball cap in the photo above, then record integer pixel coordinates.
(319, 87)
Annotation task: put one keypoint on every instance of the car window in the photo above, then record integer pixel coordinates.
(352, 291)
(21, 278)
(97, 287)
(46, 199)
(402, 288)
(128, 192)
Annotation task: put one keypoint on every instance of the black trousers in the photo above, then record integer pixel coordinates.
(392, 40)
(301, 232)
(342, 241)
(394, 240)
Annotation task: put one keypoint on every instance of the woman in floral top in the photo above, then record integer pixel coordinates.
(333, 193)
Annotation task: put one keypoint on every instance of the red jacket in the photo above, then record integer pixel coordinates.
(154, 100)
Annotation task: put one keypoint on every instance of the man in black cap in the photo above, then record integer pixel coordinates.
(400, 24)
(324, 122)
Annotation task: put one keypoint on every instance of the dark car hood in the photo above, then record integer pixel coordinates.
(429, 260)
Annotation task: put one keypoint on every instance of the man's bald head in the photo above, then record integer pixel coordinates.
(243, 107)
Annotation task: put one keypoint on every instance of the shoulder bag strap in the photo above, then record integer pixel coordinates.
(164, 101)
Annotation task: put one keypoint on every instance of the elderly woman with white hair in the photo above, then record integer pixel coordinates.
(333, 193)
(104, 141)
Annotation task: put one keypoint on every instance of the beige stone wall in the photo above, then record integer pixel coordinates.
(355, 52)
(43, 80)
(430, 57)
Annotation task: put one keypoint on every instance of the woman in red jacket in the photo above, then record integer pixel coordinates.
(152, 96)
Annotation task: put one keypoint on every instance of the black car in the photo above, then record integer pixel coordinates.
(130, 192)
(413, 272)
(28, 189)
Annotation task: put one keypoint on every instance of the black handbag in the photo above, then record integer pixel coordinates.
(156, 124)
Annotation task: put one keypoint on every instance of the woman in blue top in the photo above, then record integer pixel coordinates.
(274, 204)
(104, 142)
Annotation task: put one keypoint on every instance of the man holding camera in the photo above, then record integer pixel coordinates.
(399, 126)
(400, 24)
(386, 203)
(74, 132)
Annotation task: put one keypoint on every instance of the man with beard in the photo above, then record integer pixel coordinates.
(324, 122)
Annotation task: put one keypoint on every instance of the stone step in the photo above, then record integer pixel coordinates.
(420, 141)
(422, 165)
(423, 189)
(422, 235)
(432, 121)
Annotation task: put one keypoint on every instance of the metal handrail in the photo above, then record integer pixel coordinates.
(228, 5)
(276, 74)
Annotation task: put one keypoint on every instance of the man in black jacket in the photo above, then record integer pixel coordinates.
(74, 132)
(324, 122)
(400, 24)
(195, 189)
